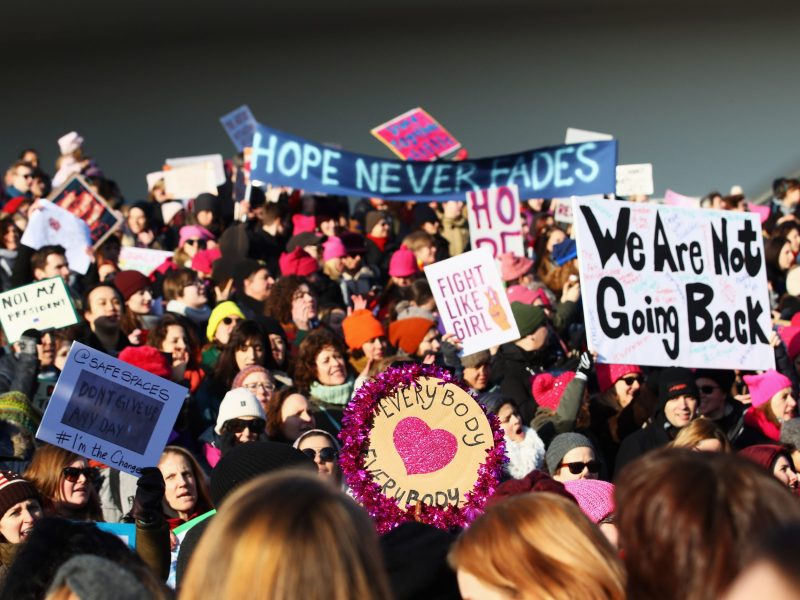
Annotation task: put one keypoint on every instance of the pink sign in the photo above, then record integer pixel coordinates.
(675, 199)
(415, 135)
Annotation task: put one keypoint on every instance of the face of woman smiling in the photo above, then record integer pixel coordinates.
(330, 367)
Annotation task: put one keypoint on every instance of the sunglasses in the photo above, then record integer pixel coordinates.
(239, 425)
(72, 474)
(707, 389)
(199, 243)
(631, 380)
(576, 468)
(325, 454)
(230, 320)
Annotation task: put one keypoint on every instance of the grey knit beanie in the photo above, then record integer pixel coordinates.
(562, 444)
(790, 433)
(96, 578)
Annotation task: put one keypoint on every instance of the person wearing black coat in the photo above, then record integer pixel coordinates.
(678, 401)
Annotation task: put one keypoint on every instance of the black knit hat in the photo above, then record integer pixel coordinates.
(247, 461)
(674, 382)
(206, 201)
(13, 489)
(723, 378)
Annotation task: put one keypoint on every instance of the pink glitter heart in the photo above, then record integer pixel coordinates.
(423, 450)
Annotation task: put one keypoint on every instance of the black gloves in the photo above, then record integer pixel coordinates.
(149, 493)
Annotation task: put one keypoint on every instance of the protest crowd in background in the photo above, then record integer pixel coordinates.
(273, 306)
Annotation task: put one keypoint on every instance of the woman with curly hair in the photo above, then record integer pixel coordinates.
(293, 302)
(321, 371)
(173, 335)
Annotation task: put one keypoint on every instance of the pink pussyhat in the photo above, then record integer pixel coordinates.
(333, 248)
(403, 263)
(520, 293)
(764, 386)
(609, 374)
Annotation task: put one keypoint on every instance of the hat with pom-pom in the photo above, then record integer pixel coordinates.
(403, 263)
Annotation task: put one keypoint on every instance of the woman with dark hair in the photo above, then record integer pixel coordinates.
(704, 512)
(20, 508)
(246, 347)
(66, 484)
(552, 275)
(174, 336)
(138, 230)
(9, 246)
(293, 303)
(103, 310)
(779, 257)
(137, 294)
(775, 460)
(321, 371)
(289, 415)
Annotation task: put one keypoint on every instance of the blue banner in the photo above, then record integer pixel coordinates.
(553, 172)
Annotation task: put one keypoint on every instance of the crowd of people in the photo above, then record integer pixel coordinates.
(621, 480)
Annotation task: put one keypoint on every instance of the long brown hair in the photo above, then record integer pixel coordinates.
(689, 521)
(46, 473)
(203, 503)
(271, 533)
(540, 546)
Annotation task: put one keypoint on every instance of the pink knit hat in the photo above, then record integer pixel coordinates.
(238, 381)
(791, 337)
(608, 375)
(764, 386)
(595, 497)
(203, 261)
(189, 232)
(333, 248)
(303, 223)
(403, 263)
(297, 262)
(541, 295)
(520, 293)
(547, 390)
(513, 266)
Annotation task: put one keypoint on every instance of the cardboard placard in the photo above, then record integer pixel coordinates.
(471, 300)
(679, 200)
(279, 158)
(427, 442)
(76, 197)
(190, 181)
(494, 220)
(666, 285)
(579, 136)
(217, 165)
(50, 225)
(416, 135)
(144, 260)
(40, 305)
(240, 125)
(110, 411)
(635, 180)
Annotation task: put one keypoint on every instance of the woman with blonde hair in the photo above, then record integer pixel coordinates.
(285, 536)
(536, 546)
(702, 435)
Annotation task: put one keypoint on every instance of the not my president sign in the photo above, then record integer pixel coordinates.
(664, 285)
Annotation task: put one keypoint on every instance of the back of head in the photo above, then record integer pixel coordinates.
(286, 536)
(539, 546)
(703, 512)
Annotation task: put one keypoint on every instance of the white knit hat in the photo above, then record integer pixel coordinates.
(238, 402)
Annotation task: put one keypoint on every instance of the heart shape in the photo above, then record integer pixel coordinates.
(423, 450)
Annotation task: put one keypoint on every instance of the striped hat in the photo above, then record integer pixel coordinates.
(14, 489)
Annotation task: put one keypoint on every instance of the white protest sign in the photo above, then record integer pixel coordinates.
(40, 305)
(562, 210)
(144, 260)
(579, 136)
(667, 285)
(240, 125)
(190, 181)
(50, 225)
(494, 220)
(107, 410)
(635, 180)
(215, 160)
(471, 300)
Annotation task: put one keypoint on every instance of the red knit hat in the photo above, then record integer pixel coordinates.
(360, 327)
(148, 359)
(407, 334)
(203, 261)
(765, 455)
(403, 263)
(298, 262)
(513, 266)
(130, 282)
(13, 205)
(547, 390)
(608, 375)
(303, 223)
(791, 338)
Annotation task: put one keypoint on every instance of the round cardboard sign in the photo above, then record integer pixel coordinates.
(417, 446)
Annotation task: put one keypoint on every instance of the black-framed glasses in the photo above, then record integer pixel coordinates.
(325, 454)
(631, 380)
(576, 468)
(72, 474)
(199, 243)
(707, 389)
(239, 425)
